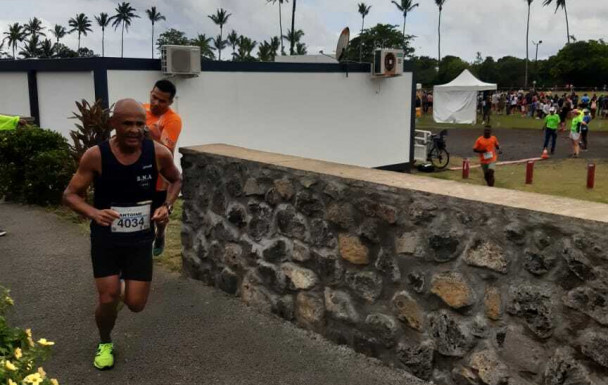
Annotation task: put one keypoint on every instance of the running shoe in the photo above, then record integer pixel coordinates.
(2, 232)
(159, 246)
(104, 359)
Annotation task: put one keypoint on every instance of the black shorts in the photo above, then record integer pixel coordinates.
(130, 262)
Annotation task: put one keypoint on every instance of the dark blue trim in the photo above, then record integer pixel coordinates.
(100, 79)
(400, 167)
(32, 85)
(226, 66)
(413, 119)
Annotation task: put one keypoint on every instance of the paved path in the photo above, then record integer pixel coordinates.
(188, 334)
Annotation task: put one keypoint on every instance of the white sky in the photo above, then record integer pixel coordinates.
(493, 27)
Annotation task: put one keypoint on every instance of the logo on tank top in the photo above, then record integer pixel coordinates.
(144, 180)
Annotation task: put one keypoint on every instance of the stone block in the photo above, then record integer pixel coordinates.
(406, 243)
(237, 215)
(353, 250)
(539, 263)
(301, 252)
(489, 369)
(366, 284)
(258, 228)
(284, 188)
(218, 202)
(253, 294)
(383, 327)
(417, 359)
(564, 369)
(453, 289)
(233, 256)
(277, 251)
(580, 265)
(254, 187)
(366, 344)
(515, 233)
(285, 307)
(329, 267)
(271, 276)
(291, 223)
(227, 280)
(340, 306)
(445, 245)
(373, 208)
(321, 235)
(462, 375)
(422, 211)
(452, 336)
(589, 301)
(533, 303)
(310, 311)
(309, 203)
(594, 344)
(302, 279)
(407, 309)
(521, 351)
(388, 266)
(369, 230)
(342, 214)
(234, 187)
(493, 303)
(221, 232)
(486, 254)
(416, 281)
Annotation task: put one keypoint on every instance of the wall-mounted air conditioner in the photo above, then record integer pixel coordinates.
(180, 60)
(388, 63)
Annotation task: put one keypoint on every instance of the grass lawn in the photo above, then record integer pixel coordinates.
(502, 121)
(566, 178)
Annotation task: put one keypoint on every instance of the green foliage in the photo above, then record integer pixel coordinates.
(450, 68)
(93, 129)
(35, 165)
(19, 354)
(380, 36)
(172, 37)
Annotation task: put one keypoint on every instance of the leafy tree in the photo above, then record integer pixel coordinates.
(583, 63)
(154, 16)
(275, 44)
(561, 4)
(172, 37)
(450, 67)
(123, 18)
(59, 32)
(80, 24)
(220, 18)
(426, 70)
(62, 51)
(301, 49)
(439, 4)
(31, 49)
(47, 49)
(265, 52)
(246, 46)
(379, 36)
(405, 7)
(233, 40)
(14, 36)
(219, 45)
(295, 37)
(34, 28)
(363, 11)
(204, 43)
(281, 2)
(103, 20)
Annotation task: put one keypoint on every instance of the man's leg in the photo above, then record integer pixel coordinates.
(159, 243)
(136, 295)
(490, 177)
(108, 289)
(547, 136)
(553, 140)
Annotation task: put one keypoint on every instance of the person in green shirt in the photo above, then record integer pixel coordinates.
(552, 122)
(575, 131)
(11, 122)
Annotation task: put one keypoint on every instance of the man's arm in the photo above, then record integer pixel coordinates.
(171, 133)
(77, 189)
(476, 148)
(168, 170)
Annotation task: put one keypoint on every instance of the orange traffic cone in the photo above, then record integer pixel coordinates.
(545, 154)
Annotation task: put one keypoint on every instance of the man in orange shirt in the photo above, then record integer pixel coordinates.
(164, 126)
(487, 146)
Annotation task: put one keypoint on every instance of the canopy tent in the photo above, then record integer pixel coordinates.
(456, 102)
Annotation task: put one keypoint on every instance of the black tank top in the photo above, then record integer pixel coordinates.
(129, 188)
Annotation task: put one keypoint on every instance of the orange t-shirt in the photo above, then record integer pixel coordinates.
(164, 129)
(488, 146)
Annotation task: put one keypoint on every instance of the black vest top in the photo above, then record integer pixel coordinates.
(125, 186)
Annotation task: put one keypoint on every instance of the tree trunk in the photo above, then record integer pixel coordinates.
(152, 40)
(122, 40)
(14, 57)
(527, 44)
(293, 31)
(103, 42)
(404, 18)
(360, 41)
(220, 47)
(281, 29)
(79, 41)
(439, 40)
(567, 25)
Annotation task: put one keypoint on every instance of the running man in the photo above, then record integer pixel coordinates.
(124, 170)
(487, 146)
(165, 125)
(552, 122)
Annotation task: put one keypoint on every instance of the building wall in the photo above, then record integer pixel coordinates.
(455, 283)
(57, 94)
(328, 116)
(14, 98)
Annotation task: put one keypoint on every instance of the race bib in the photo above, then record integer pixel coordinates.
(488, 155)
(132, 219)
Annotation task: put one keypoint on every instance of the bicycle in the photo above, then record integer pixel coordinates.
(437, 153)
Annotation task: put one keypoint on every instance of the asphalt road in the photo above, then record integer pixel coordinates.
(188, 334)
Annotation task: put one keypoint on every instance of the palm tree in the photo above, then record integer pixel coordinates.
(14, 36)
(562, 4)
(34, 28)
(265, 51)
(293, 23)
(204, 43)
(47, 49)
(219, 45)
(103, 20)
(295, 37)
(275, 44)
(233, 40)
(154, 16)
(301, 49)
(80, 24)
(440, 4)
(364, 11)
(59, 31)
(405, 7)
(31, 49)
(246, 46)
(123, 18)
(527, 42)
(280, 21)
(220, 18)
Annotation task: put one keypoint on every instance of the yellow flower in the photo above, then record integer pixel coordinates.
(18, 353)
(30, 341)
(41, 372)
(10, 301)
(44, 342)
(28, 332)
(11, 382)
(53, 381)
(34, 379)
(9, 365)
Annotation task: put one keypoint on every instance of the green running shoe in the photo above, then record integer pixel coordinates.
(159, 246)
(104, 359)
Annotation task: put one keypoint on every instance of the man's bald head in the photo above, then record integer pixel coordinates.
(129, 120)
(128, 107)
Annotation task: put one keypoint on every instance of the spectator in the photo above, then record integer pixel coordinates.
(486, 146)
(585, 129)
(563, 115)
(575, 132)
(593, 106)
(552, 122)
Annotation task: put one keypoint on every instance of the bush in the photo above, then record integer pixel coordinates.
(94, 127)
(19, 354)
(35, 166)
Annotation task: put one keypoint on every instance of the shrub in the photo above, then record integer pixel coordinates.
(35, 165)
(94, 127)
(19, 354)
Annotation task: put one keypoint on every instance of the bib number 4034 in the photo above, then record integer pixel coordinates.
(132, 219)
(129, 223)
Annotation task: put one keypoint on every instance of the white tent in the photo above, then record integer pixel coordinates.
(456, 102)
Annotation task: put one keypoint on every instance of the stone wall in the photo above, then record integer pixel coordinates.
(454, 290)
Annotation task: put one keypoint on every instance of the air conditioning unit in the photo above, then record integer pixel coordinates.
(388, 63)
(180, 60)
